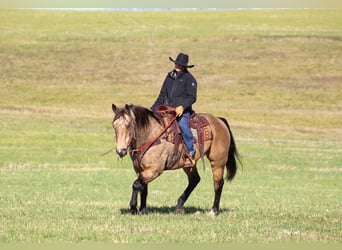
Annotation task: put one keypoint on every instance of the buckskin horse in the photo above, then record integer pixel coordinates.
(155, 145)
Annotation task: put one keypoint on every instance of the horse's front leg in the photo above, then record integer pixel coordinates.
(143, 198)
(138, 187)
(133, 202)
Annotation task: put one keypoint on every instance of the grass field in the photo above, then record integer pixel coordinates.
(275, 75)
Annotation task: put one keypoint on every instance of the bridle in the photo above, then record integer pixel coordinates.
(132, 135)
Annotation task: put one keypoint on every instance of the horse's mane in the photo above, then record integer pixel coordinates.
(142, 115)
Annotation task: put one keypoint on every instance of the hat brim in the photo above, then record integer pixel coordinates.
(179, 63)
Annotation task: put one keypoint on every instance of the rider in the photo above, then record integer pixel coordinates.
(179, 90)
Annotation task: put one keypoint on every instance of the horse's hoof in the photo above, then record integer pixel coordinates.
(143, 211)
(179, 211)
(134, 211)
(213, 212)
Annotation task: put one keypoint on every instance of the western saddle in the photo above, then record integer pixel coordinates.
(199, 127)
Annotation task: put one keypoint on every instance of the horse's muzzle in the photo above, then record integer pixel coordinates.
(121, 152)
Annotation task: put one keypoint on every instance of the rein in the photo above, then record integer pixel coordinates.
(146, 146)
(107, 152)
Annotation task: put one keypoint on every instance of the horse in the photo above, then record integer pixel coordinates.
(141, 132)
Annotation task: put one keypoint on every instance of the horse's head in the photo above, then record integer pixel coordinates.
(132, 125)
(123, 124)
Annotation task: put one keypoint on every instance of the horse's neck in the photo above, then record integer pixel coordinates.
(151, 132)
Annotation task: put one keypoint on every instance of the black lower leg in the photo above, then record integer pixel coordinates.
(143, 198)
(218, 191)
(137, 187)
(133, 202)
(193, 180)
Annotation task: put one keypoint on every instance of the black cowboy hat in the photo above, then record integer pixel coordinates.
(182, 59)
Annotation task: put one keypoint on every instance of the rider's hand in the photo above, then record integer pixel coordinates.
(179, 110)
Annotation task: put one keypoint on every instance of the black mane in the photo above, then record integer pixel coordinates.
(142, 115)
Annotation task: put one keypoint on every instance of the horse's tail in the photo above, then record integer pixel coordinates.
(233, 155)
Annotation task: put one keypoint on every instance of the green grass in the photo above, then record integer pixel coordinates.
(276, 76)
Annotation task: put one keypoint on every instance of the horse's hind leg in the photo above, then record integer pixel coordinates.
(218, 186)
(193, 180)
(218, 190)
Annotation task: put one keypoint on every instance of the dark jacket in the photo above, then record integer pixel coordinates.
(179, 90)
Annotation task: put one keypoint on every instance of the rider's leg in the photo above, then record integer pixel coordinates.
(184, 125)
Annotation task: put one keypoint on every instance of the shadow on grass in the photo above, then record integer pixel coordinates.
(171, 210)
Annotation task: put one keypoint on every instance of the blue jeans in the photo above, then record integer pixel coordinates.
(184, 125)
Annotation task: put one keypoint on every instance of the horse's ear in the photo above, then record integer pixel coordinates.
(128, 108)
(114, 108)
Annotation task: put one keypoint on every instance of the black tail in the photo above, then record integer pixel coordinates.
(233, 155)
